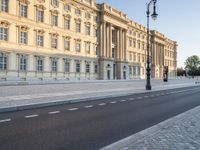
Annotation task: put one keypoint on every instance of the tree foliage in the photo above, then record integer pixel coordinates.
(181, 72)
(192, 65)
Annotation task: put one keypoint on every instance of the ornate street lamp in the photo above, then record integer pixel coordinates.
(154, 16)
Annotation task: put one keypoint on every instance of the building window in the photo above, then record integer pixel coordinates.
(113, 52)
(40, 40)
(134, 44)
(95, 68)
(23, 11)
(22, 63)
(40, 16)
(54, 42)
(66, 44)
(87, 68)
(78, 12)
(87, 30)
(23, 37)
(87, 15)
(54, 20)
(67, 66)
(3, 62)
(54, 65)
(138, 57)
(67, 7)
(3, 33)
(67, 24)
(78, 47)
(78, 67)
(130, 43)
(4, 5)
(40, 65)
(87, 47)
(138, 45)
(78, 27)
(55, 3)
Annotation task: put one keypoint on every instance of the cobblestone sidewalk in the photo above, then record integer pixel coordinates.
(181, 132)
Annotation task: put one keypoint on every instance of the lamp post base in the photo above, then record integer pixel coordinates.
(148, 87)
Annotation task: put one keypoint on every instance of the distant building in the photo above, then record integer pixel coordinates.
(77, 40)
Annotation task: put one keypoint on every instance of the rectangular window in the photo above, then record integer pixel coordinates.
(54, 66)
(130, 43)
(66, 24)
(23, 61)
(78, 47)
(54, 42)
(4, 5)
(3, 34)
(78, 67)
(40, 40)
(87, 30)
(67, 7)
(54, 20)
(78, 27)
(87, 68)
(67, 67)
(95, 68)
(39, 65)
(55, 3)
(78, 12)
(3, 62)
(66, 44)
(40, 16)
(87, 48)
(23, 37)
(23, 11)
(87, 15)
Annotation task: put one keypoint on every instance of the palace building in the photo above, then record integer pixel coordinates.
(77, 40)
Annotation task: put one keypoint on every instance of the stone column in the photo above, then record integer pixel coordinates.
(104, 39)
(120, 41)
(125, 45)
(118, 45)
(110, 41)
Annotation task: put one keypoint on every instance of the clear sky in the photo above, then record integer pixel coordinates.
(178, 19)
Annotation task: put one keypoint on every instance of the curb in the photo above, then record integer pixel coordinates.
(77, 100)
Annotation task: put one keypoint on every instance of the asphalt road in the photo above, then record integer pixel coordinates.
(92, 125)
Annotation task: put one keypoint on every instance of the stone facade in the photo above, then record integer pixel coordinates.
(76, 40)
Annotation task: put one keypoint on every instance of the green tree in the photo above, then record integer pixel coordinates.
(181, 72)
(192, 65)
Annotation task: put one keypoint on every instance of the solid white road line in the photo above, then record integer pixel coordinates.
(5, 120)
(89, 106)
(53, 112)
(31, 116)
(114, 102)
(102, 104)
(123, 100)
(72, 109)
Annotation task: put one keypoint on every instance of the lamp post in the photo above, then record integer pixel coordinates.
(154, 16)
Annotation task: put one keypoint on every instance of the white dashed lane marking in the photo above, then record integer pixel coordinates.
(146, 96)
(114, 102)
(123, 100)
(131, 99)
(5, 120)
(72, 109)
(89, 106)
(139, 97)
(102, 104)
(31, 116)
(53, 112)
